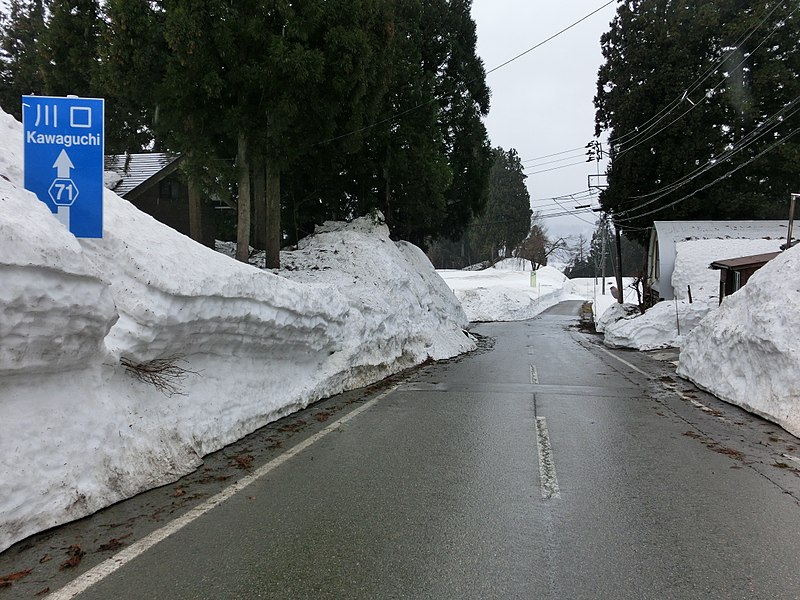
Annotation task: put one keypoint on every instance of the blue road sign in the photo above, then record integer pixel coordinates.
(63, 157)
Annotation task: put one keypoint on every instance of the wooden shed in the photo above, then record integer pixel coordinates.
(154, 183)
(734, 272)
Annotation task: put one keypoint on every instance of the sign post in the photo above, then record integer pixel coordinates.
(63, 158)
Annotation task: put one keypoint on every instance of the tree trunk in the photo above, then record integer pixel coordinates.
(387, 206)
(259, 203)
(195, 211)
(243, 205)
(273, 215)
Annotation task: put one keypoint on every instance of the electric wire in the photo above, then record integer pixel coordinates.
(755, 135)
(553, 154)
(760, 131)
(646, 127)
(576, 214)
(552, 37)
(693, 105)
(581, 193)
(489, 72)
(558, 160)
(624, 215)
(556, 168)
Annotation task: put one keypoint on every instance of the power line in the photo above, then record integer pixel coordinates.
(555, 203)
(582, 193)
(756, 134)
(670, 107)
(436, 99)
(568, 213)
(552, 37)
(624, 218)
(553, 154)
(693, 105)
(556, 168)
(575, 214)
(558, 160)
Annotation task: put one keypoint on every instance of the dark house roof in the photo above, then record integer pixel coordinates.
(139, 171)
(744, 262)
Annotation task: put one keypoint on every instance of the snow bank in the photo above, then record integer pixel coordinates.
(81, 432)
(657, 328)
(506, 295)
(613, 313)
(513, 264)
(380, 278)
(746, 352)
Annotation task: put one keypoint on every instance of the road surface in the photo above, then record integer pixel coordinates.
(540, 466)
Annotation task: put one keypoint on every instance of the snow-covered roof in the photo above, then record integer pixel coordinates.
(138, 169)
(678, 231)
(666, 234)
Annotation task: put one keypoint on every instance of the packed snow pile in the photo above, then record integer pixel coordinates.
(662, 326)
(80, 431)
(746, 352)
(514, 264)
(613, 313)
(503, 294)
(379, 277)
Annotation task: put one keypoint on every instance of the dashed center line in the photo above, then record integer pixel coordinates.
(534, 374)
(547, 467)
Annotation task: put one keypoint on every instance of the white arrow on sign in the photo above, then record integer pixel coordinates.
(63, 164)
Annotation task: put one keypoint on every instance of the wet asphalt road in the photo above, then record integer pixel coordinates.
(538, 467)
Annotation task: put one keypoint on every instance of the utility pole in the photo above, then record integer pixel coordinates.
(791, 220)
(619, 264)
(603, 251)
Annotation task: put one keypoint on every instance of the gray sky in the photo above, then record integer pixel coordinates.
(542, 102)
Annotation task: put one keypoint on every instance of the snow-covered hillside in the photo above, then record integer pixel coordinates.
(502, 293)
(80, 431)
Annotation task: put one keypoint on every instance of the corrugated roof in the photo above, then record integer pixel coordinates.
(135, 169)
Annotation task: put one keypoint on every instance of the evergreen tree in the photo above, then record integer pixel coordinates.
(425, 161)
(133, 57)
(437, 153)
(20, 62)
(684, 83)
(70, 47)
(327, 109)
(506, 219)
(463, 87)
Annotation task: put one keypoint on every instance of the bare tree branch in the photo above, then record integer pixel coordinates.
(165, 374)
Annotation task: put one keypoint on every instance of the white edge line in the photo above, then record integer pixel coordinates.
(547, 467)
(108, 566)
(696, 403)
(625, 362)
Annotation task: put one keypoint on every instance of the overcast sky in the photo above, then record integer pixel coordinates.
(542, 102)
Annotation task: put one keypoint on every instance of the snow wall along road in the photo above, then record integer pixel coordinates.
(80, 432)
